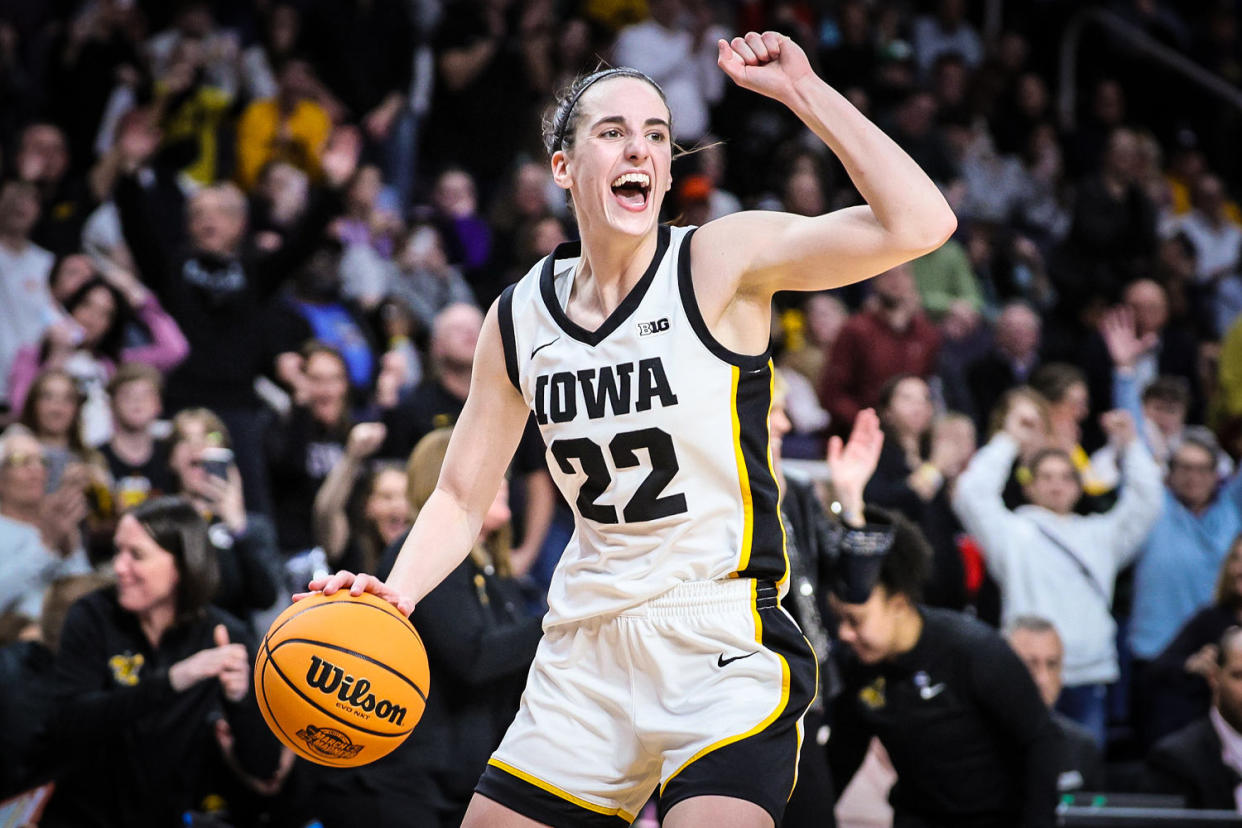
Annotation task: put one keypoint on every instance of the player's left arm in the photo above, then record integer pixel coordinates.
(905, 215)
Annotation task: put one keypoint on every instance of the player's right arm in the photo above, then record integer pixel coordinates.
(483, 442)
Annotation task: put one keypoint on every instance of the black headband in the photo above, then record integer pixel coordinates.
(562, 124)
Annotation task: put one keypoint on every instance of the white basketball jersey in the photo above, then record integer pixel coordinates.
(657, 436)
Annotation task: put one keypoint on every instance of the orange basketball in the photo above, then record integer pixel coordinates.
(341, 680)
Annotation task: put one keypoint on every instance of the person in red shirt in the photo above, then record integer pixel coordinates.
(890, 336)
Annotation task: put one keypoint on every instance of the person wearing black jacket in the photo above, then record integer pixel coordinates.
(958, 713)
(144, 672)
(219, 287)
(1202, 762)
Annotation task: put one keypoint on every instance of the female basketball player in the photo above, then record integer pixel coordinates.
(643, 351)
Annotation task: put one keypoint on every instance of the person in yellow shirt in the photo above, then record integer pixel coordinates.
(289, 127)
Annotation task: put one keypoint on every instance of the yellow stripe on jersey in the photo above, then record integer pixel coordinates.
(748, 508)
(558, 793)
(767, 720)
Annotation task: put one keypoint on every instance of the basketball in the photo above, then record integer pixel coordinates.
(341, 680)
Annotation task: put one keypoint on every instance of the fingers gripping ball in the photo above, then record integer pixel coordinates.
(341, 680)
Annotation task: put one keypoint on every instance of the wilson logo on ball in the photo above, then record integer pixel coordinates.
(327, 741)
(330, 680)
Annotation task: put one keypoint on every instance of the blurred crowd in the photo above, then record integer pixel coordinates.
(246, 247)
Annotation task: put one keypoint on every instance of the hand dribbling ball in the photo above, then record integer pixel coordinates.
(341, 679)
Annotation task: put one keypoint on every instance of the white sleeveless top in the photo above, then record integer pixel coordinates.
(657, 436)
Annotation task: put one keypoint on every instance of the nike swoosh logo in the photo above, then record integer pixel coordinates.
(722, 661)
(929, 693)
(541, 347)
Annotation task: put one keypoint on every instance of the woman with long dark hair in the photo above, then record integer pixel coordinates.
(93, 341)
(145, 670)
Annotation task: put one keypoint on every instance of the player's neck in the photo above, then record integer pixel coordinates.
(611, 264)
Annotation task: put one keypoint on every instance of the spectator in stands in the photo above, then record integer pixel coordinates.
(327, 315)
(1035, 640)
(676, 47)
(946, 32)
(466, 236)
(358, 512)
(138, 462)
(1064, 386)
(27, 688)
(1177, 680)
(914, 128)
(946, 282)
(1184, 552)
(364, 54)
(1051, 562)
(483, 76)
(142, 673)
(437, 401)
(915, 474)
(90, 344)
(39, 532)
(1136, 343)
(244, 544)
(1216, 238)
(422, 276)
(52, 412)
(1010, 363)
(1113, 235)
(218, 291)
(42, 159)
(26, 308)
(890, 336)
(1203, 761)
(288, 126)
(307, 444)
(365, 220)
(193, 107)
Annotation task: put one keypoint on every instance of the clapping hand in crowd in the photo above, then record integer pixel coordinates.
(227, 662)
(364, 440)
(1024, 423)
(851, 464)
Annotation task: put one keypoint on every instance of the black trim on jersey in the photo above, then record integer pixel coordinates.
(688, 301)
(732, 770)
(530, 801)
(767, 537)
(504, 315)
(628, 305)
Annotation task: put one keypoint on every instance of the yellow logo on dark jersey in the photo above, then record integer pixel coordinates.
(873, 694)
(125, 668)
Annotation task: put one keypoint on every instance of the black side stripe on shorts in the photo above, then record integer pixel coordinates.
(542, 805)
(504, 315)
(746, 767)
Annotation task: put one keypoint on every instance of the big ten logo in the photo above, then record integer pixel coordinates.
(658, 326)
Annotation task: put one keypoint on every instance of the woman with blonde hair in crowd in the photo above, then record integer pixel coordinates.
(480, 642)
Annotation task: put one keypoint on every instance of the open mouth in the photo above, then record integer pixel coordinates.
(632, 190)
